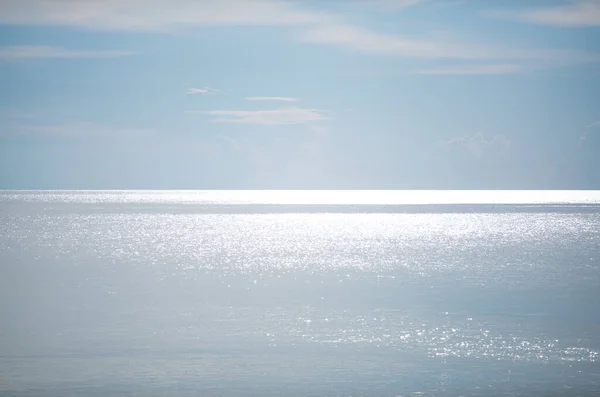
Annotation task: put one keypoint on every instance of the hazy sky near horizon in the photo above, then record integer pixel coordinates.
(302, 94)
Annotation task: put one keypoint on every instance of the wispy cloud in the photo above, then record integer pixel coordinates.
(367, 41)
(14, 114)
(513, 59)
(138, 15)
(234, 143)
(69, 130)
(575, 13)
(205, 90)
(272, 98)
(477, 144)
(32, 52)
(316, 26)
(475, 69)
(395, 4)
(292, 115)
(588, 130)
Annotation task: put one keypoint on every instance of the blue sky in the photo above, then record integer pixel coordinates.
(304, 94)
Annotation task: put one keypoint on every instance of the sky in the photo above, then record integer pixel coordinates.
(299, 94)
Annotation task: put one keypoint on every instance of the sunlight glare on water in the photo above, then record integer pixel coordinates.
(313, 197)
(98, 290)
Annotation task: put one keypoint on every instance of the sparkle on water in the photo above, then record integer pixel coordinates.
(96, 289)
(316, 197)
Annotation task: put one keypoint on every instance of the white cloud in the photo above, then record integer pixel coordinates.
(32, 52)
(475, 69)
(576, 13)
(292, 115)
(205, 90)
(272, 98)
(144, 15)
(477, 144)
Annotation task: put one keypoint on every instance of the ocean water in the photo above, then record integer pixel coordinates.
(225, 293)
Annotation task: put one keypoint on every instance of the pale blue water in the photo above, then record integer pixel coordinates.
(299, 293)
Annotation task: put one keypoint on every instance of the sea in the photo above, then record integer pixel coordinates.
(299, 293)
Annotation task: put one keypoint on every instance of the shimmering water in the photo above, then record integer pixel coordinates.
(299, 293)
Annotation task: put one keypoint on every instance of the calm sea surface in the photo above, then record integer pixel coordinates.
(215, 293)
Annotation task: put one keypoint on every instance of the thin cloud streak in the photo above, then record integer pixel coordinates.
(15, 114)
(367, 41)
(395, 4)
(205, 90)
(36, 52)
(506, 59)
(72, 130)
(292, 115)
(486, 69)
(272, 98)
(577, 13)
